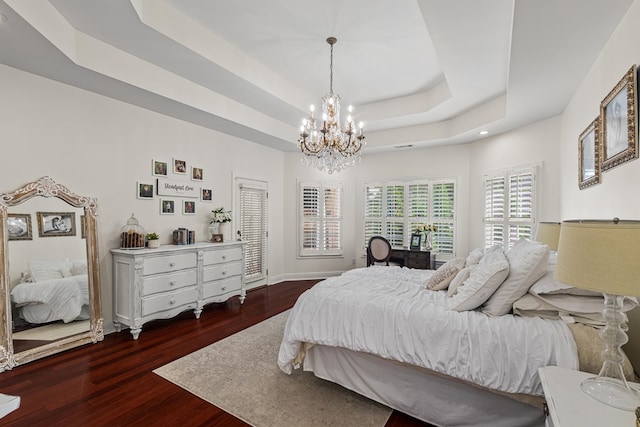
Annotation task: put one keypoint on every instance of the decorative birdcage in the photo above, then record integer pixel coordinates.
(132, 235)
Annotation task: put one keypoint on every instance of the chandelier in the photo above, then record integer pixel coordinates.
(331, 147)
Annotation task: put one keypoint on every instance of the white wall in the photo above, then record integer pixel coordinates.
(616, 195)
(101, 147)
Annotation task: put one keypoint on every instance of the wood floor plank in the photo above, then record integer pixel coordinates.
(111, 383)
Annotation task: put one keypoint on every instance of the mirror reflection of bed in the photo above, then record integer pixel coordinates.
(49, 278)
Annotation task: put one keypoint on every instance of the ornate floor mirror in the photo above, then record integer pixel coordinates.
(49, 278)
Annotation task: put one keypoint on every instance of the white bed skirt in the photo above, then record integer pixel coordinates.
(428, 397)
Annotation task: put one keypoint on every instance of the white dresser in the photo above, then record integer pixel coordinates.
(160, 283)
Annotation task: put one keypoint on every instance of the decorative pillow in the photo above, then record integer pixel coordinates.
(482, 282)
(474, 257)
(46, 270)
(442, 277)
(528, 262)
(459, 279)
(79, 271)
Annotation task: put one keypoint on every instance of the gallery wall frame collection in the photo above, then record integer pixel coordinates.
(168, 188)
(612, 138)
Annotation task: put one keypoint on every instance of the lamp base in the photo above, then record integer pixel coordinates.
(611, 392)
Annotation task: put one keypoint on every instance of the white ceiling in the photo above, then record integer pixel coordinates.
(419, 72)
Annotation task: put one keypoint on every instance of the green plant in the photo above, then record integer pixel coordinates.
(152, 236)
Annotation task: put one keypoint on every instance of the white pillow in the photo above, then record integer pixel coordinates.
(474, 257)
(442, 277)
(482, 282)
(547, 284)
(42, 270)
(459, 279)
(528, 261)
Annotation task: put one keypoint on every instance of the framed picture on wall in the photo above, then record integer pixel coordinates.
(179, 167)
(144, 190)
(56, 224)
(19, 227)
(619, 122)
(589, 155)
(188, 207)
(196, 174)
(206, 195)
(159, 168)
(167, 207)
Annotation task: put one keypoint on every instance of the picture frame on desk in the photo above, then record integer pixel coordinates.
(416, 240)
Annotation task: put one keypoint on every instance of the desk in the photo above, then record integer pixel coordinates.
(424, 260)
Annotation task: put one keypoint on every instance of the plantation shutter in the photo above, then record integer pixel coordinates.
(509, 206)
(253, 230)
(443, 216)
(372, 212)
(320, 219)
(395, 214)
(418, 206)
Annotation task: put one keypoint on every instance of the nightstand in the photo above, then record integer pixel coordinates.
(569, 406)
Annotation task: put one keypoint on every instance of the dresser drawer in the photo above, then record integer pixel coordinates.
(169, 282)
(418, 259)
(222, 255)
(169, 301)
(221, 271)
(222, 287)
(169, 263)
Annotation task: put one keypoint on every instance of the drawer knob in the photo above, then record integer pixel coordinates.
(172, 264)
(172, 283)
(224, 288)
(224, 273)
(172, 302)
(224, 257)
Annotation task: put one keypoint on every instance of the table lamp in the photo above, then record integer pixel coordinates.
(603, 256)
(548, 233)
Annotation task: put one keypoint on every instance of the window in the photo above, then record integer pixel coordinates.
(394, 209)
(509, 206)
(320, 219)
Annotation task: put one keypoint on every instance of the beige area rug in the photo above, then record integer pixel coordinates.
(53, 331)
(240, 375)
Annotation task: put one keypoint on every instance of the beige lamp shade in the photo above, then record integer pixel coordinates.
(602, 256)
(548, 233)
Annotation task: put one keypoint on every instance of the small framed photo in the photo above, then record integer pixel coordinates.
(188, 207)
(19, 227)
(179, 167)
(619, 122)
(55, 224)
(589, 155)
(206, 195)
(217, 238)
(416, 240)
(167, 207)
(159, 168)
(196, 174)
(144, 190)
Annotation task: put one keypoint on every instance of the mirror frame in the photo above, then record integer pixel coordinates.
(47, 187)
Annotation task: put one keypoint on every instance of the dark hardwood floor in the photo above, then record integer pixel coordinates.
(111, 383)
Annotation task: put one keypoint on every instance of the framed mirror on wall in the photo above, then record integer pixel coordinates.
(49, 281)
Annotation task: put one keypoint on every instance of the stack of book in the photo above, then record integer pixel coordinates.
(182, 236)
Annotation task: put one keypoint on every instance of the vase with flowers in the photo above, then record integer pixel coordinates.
(427, 232)
(218, 216)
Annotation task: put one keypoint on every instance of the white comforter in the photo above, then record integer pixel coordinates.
(387, 311)
(64, 297)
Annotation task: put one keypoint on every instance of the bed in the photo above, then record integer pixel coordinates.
(53, 291)
(449, 355)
